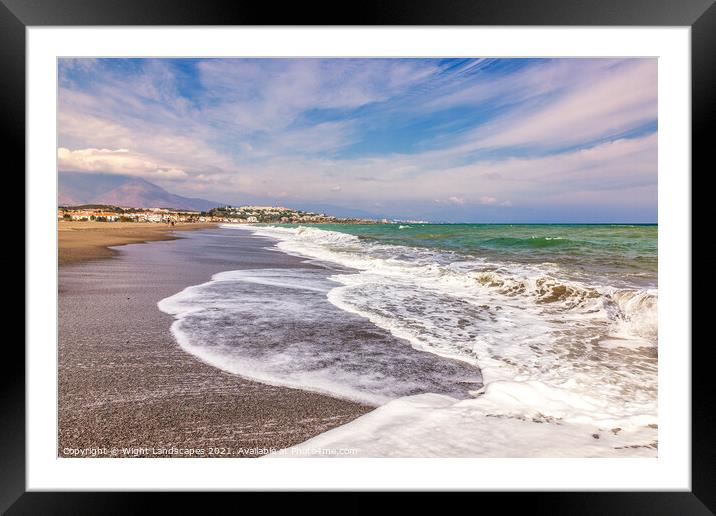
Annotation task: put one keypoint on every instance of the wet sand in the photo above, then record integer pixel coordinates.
(125, 383)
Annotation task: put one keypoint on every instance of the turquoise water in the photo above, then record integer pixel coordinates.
(620, 255)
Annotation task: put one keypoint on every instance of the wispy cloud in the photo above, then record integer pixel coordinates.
(619, 99)
(484, 134)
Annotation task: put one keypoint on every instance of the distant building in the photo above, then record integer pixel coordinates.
(244, 214)
(92, 215)
(108, 216)
(263, 208)
(81, 215)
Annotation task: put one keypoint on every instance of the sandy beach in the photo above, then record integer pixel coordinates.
(124, 383)
(79, 241)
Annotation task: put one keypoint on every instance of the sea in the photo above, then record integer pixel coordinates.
(546, 334)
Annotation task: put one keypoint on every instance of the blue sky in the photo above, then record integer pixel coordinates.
(474, 140)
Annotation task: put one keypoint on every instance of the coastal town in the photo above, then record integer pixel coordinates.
(238, 215)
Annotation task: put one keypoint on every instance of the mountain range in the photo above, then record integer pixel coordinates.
(77, 188)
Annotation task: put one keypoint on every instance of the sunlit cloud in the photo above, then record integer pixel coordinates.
(119, 161)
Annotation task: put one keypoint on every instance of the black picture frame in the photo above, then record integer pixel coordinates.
(700, 15)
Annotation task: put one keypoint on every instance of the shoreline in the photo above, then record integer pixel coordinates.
(85, 241)
(125, 383)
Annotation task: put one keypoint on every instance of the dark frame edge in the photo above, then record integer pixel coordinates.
(703, 124)
(702, 498)
(371, 12)
(12, 380)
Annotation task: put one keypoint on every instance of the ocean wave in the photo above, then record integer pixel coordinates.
(539, 284)
(311, 235)
(522, 324)
(533, 242)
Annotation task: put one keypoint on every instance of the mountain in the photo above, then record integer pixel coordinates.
(75, 188)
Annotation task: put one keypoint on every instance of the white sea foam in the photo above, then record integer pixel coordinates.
(270, 325)
(579, 358)
(509, 419)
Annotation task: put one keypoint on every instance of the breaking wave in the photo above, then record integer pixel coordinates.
(563, 351)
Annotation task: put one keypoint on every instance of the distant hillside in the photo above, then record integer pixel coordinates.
(340, 211)
(76, 188)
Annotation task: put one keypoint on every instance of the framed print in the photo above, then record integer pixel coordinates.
(445, 250)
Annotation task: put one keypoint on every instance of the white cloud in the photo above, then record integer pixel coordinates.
(613, 167)
(119, 161)
(269, 95)
(563, 105)
(484, 199)
(619, 100)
